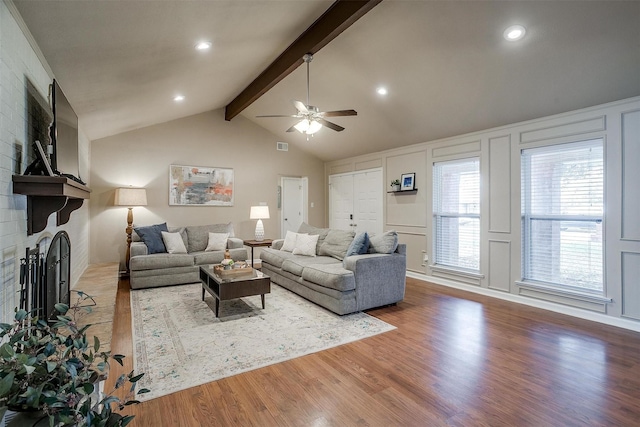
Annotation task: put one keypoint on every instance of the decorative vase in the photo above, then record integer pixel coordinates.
(395, 187)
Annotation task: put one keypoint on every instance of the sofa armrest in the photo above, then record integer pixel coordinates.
(138, 248)
(277, 244)
(234, 243)
(380, 278)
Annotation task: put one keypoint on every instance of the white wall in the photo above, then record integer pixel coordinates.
(142, 158)
(499, 149)
(20, 60)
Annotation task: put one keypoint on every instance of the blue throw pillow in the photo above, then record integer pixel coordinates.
(152, 237)
(359, 246)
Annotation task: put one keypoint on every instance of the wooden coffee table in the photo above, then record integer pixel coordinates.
(226, 288)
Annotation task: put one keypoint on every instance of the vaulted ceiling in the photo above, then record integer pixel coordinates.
(446, 65)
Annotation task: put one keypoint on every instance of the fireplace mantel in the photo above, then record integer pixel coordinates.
(48, 194)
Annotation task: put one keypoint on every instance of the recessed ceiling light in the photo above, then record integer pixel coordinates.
(382, 90)
(178, 98)
(204, 45)
(514, 32)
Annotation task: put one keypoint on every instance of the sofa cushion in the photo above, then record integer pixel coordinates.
(336, 243)
(385, 243)
(152, 237)
(310, 229)
(332, 276)
(198, 235)
(306, 245)
(217, 242)
(174, 243)
(210, 257)
(275, 257)
(296, 264)
(159, 261)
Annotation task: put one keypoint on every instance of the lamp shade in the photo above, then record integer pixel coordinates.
(129, 196)
(259, 212)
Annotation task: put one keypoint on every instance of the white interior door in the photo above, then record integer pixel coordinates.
(367, 201)
(355, 201)
(341, 202)
(293, 204)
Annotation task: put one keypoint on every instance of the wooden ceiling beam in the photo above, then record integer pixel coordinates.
(340, 16)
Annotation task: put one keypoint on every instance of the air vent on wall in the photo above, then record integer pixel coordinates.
(282, 146)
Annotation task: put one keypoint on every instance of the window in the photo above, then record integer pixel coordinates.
(562, 208)
(456, 213)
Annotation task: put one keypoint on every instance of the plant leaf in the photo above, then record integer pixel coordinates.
(61, 308)
(96, 344)
(118, 358)
(5, 384)
(136, 378)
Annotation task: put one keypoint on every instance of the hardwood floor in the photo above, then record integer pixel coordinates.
(455, 359)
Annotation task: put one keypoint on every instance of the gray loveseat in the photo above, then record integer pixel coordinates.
(163, 269)
(358, 282)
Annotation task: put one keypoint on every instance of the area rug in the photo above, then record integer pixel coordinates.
(179, 343)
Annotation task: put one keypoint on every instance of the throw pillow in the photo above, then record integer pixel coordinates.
(336, 243)
(306, 245)
(174, 243)
(217, 242)
(310, 229)
(385, 243)
(152, 237)
(359, 245)
(198, 235)
(289, 241)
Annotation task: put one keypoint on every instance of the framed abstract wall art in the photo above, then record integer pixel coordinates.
(200, 186)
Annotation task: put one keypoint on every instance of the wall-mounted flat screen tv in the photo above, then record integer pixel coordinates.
(64, 134)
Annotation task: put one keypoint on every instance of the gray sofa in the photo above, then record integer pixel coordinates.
(164, 269)
(359, 282)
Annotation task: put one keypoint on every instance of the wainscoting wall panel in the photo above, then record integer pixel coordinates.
(500, 265)
(500, 184)
(631, 285)
(630, 175)
(594, 124)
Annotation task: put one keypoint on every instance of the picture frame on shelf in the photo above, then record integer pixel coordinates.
(42, 157)
(408, 181)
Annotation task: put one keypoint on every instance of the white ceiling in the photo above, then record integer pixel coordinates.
(445, 63)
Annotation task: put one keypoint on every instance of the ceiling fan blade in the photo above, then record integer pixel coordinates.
(278, 115)
(339, 113)
(292, 128)
(300, 106)
(330, 125)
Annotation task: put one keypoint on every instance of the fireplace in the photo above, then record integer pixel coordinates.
(45, 279)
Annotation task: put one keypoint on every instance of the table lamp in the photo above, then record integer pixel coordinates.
(259, 213)
(130, 197)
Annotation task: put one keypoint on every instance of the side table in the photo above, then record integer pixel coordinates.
(256, 244)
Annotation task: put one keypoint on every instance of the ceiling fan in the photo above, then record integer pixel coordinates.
(311, 118)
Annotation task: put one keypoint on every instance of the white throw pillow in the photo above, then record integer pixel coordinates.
(306, 244)
(217, 242)
(289, 241)
(174, 243)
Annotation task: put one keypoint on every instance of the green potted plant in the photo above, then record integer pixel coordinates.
(395, 185)
(52, 368)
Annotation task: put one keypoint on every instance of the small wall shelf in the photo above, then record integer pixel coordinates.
(415, 190)
(48, 194)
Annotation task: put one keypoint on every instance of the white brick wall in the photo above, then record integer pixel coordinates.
(19, 62)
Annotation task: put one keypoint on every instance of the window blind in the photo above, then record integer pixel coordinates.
(456, 211)
(562, 212)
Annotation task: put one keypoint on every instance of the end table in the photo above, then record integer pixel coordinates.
(255, 244)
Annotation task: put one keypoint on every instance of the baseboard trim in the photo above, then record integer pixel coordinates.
(545, 305)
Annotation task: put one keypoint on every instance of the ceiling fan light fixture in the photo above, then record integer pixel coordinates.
(308, 126)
